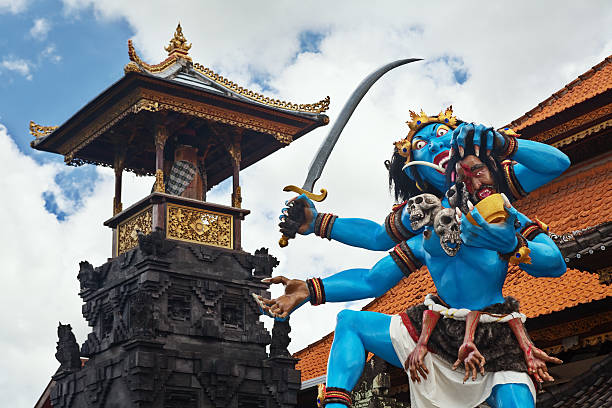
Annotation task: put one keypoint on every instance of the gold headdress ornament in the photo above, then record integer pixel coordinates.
(418, 122)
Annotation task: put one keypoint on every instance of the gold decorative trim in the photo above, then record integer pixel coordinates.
(117, 206)
(282, 133)
(159, 186)
(579, 121)
(178, 44)
(127, 237)
(572, 328)
(317, 107)
(135, 103)
(581, 135)
(199, 226)
(162, 66)
(585, 342)
(40, 131)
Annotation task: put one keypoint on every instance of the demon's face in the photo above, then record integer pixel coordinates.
(431, 144)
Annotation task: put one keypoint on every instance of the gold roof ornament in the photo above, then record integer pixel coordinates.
(40, 131)
(178, 44)
(177, 54)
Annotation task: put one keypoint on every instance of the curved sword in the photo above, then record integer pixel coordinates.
(320, 159)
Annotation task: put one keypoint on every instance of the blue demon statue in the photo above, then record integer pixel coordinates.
(458, 181)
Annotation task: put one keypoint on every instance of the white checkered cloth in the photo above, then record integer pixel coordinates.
(181, 175)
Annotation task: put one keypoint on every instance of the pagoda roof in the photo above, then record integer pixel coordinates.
(179, 92)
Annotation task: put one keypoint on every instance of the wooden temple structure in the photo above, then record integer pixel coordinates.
(173, 320)
(568, 317)
(178, 110)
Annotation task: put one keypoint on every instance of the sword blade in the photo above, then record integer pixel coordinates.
(320, 159)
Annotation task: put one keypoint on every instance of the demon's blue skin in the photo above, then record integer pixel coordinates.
(454, 277)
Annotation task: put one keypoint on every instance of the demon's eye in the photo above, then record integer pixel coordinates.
(418, 144)
(442, 130)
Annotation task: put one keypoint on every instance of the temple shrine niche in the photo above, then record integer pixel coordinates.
(173, 320)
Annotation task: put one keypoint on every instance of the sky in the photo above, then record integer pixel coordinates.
(493, 61)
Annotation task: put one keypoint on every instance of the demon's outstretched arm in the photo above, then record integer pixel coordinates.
(348, 285)
(301, 216)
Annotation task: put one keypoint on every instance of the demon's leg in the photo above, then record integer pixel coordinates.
(355, 333)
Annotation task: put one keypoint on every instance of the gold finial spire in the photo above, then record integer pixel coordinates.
(178, 44)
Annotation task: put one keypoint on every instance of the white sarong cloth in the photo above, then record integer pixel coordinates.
(444, 388)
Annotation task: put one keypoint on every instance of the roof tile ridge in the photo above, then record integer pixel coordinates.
(568, 87)
(316, 343)
(570, 179)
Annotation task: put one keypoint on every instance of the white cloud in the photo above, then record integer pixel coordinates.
(50, 54)
(40, 29)
(13, 6)
(21, 66)
(40, 257)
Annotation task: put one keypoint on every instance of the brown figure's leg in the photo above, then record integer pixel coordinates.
(536, 359)
(414, 363)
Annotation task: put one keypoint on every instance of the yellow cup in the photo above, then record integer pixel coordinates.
(492, 210)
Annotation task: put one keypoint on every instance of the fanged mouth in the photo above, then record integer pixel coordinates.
(442, 160)
(484, 193)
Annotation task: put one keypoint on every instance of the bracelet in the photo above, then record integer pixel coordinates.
(520, 254)
(394, 226)
(510, 143)
(531, 230)
(323, 225)
(316, 290)
(513, 184)
(405, 259)
(338, 396)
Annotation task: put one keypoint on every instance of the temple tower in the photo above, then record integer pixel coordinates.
(173, 321)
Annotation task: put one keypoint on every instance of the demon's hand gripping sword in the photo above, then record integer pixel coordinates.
(320, 159)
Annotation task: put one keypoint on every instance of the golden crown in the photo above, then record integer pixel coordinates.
(418, 122)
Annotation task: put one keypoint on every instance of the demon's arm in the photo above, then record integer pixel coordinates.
(506, 239)
(348, 285)
(537, 164)
(301, 216)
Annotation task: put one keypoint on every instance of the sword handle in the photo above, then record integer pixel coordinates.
(284, 240)
(314, 197)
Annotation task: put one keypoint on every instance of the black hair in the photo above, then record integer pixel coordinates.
(404, 187)
(492, 162)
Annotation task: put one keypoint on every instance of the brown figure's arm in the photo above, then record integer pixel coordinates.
(536, 359)
(468, 354)
(414, 363)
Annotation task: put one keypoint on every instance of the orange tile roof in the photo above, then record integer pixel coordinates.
(592, 83)
(573, 202)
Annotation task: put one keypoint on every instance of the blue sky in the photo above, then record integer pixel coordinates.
(70, 59)
(78, 57)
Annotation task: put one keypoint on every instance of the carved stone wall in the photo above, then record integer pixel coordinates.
(177, 327)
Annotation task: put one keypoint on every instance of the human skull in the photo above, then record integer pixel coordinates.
(447, 228)
(422, 209)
